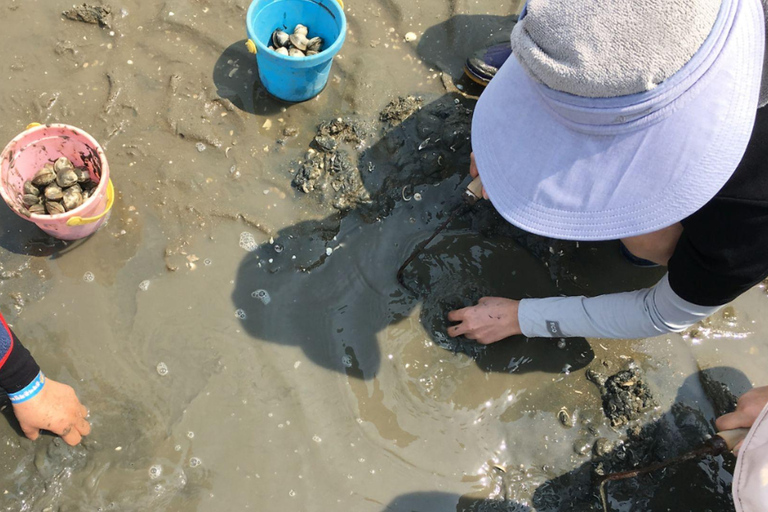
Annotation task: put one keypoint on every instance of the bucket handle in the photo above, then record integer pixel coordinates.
(252, 46)
(81, 221)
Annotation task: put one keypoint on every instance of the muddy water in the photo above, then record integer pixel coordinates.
(300, 376)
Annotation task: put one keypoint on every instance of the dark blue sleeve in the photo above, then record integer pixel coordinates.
(17, 366)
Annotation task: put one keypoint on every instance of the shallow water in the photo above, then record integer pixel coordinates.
(335, 392)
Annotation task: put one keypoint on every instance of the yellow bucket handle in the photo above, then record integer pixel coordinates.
(32, 125)
(252, 45)
(80, 221)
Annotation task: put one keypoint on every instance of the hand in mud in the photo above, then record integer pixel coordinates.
(750, 405)
(474, 172)
(491, 320)
(56, 409)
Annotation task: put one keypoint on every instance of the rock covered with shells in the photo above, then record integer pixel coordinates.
(297, 44)
(57, 188)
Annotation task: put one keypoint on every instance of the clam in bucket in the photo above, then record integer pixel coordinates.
(295, 78)
(42, 144)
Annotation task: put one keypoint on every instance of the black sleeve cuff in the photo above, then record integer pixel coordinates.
(19, 369)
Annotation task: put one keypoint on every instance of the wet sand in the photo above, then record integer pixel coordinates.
(339, 392)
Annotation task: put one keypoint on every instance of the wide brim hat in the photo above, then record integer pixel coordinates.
(570, 166)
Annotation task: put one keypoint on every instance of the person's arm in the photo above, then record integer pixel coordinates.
(642, 313)
(638, 314)
(38, 402)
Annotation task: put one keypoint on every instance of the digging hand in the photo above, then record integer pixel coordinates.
(56, 409)
(749, 407)
(491, 320)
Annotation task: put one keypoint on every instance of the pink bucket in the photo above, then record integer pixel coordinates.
(42, 144)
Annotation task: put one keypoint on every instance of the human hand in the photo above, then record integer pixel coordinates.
(749, 407)
(474, 172)
(55, 408)
(491, 320)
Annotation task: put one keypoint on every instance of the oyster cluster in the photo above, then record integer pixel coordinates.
(298, 44)
(57, 188)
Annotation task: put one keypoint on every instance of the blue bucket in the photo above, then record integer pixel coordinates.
(295, 78)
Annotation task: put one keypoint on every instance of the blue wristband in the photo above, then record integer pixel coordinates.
(30, 391)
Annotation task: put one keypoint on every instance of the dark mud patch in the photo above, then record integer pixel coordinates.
(701, 484)
(400, 109)
(330, 168)
(625, 395)
(420, 145)
(92, 14)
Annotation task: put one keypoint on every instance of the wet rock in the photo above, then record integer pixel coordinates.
(400, 109)
(625, 395)
(602, 447)
(93, 14)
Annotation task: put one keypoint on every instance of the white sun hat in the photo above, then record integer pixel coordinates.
(618, 118)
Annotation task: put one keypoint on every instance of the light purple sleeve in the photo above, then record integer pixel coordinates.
(639, 314)
(750, 480)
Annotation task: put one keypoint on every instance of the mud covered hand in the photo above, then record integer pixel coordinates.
(474, 172)
(491, 320)
(750, 405)
(55, 408)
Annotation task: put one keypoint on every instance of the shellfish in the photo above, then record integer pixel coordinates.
(44, 176)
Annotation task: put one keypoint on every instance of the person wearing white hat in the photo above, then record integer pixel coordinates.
(636, 121)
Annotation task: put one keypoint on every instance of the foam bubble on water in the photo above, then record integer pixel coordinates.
(316, 438)
(241, 314)
(162, 369)
(190, 434)
(144, 285)
(207, 262)
(155, 471)
(347, 361)
(561, 343)
(248, 242)
(88, 277)
(291, 493)
(278, 248)
(262, 295)
(328, 251)
(194, 462)
(177, 448)
(200, 147)
(417, 197)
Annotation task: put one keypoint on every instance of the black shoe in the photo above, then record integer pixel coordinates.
(482, 65)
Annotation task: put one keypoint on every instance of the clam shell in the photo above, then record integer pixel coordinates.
(30, 188)
(62, 164)
(282, 50)
(312, 52)
(279, 38)
(295, 52)
(37, 209)
(73, 198)
(299, 41)
(66, 178)
(30, 199)
(53, 193)
(315, 44)
(82, 174)
(301, 29)
(54, 208)
(44, 176)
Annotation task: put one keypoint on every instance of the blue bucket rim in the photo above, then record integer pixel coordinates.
(332, 50)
